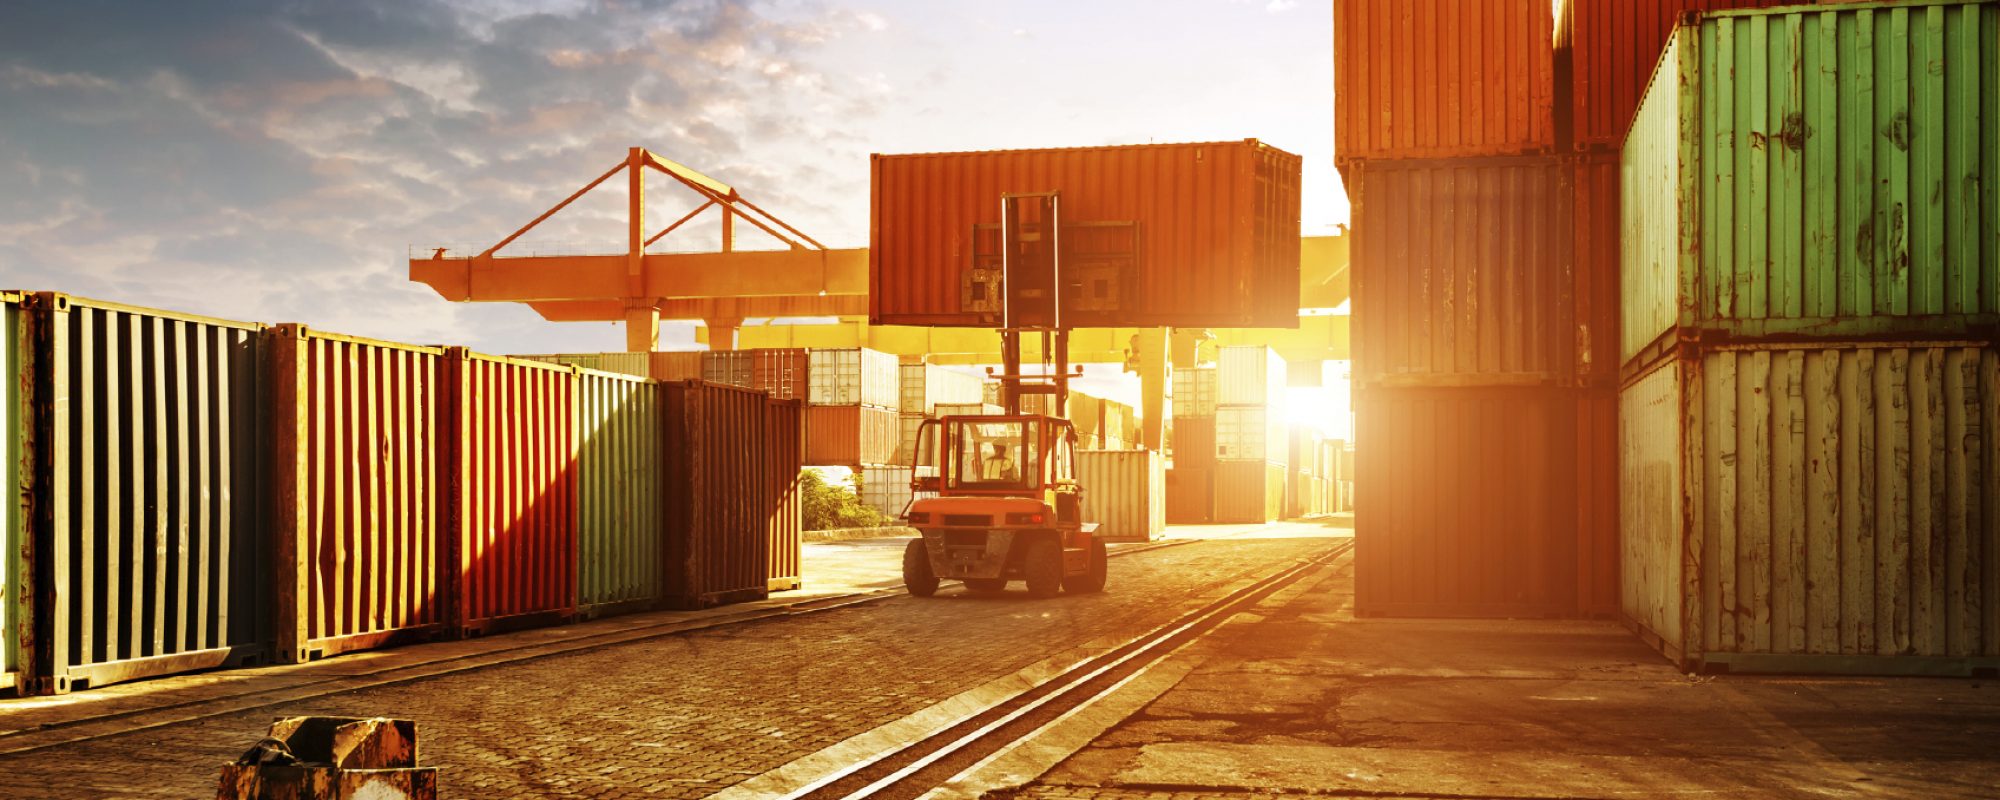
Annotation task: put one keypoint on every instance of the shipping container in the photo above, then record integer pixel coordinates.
(1462, 272)
(1807, 508)
(639, 364)
(851, 436)
(926, 385)
(1195, 391)
(856, 376)
(1250, 433)
(1249, 491)
(147, 491)
(1465, 502)
(678, 366)
(621, 481)
(1174, 234)
(886, 489)
(360, 553)
(733, 461)
(1442, 79)
(1594, 341)
(1597, 503)
(513, 457)
(1608, 48)
(1124, 492)
(728, 368)
(17, 595)
(1194, 441)
(1249, 375)
(968, 409)
(1190, 495)
(907, 426)
(780, 372)
(1744, 207)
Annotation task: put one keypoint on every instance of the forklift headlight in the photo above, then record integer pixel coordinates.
(1030, 518)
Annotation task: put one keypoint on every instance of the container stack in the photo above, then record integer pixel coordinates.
(1810, 380)
(1469, 327)
(924, 388)
(854, 393)
(1251, 445)
(1191, 480)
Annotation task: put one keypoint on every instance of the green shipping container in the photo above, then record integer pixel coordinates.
(1824, 172)
(620, 478)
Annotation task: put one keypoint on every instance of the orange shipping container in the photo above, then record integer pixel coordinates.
(781, 371)
(850, 436)
(681, 366)
(1176, 234)
(1442, 79)
(1609, 49)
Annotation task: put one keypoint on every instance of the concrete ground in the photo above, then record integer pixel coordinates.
(1303, 699)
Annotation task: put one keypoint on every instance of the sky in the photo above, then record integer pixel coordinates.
(277, 161)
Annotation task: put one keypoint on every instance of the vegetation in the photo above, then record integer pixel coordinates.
(827, 507)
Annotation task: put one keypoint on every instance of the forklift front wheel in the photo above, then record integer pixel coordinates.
(1043, 566)
(917, 575)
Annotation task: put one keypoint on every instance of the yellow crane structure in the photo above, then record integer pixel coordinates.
(723, 288)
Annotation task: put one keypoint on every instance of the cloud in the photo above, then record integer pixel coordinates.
(273, 160)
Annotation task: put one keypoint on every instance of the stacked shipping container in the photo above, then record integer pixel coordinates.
(1251, 445)
(1191, 480)
(1810, 377)
(852, 420)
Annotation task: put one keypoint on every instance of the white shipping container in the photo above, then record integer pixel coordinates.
(886, 489)
(1831, 508)
(1124, 492)
(924, 386)
(727, 367)
(1194, 392)
(1250, 375)
(906, 439)
(854, 376)
(1250, 433)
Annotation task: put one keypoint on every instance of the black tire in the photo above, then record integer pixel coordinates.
(1043, 568)
(986, 585)
(1091, 580)
(917, 575)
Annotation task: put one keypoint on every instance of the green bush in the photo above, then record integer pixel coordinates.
(827, 507)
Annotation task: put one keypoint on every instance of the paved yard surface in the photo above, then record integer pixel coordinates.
(677, 716)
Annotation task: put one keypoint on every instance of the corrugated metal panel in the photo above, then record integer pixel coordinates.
(728, 368)
(1190, 494)
(907, 426)
(1462, 272)
(620, 476)
(1594, 342)
(780, 371)
(1839, 502)
(1250, 433)
(1611, 47)
(1597, 509)
(1216, 241)
(732, 504)
(1249, 491)
(886, 489)
(1465, 502)
(1124, 492)
(850, 436)
(1194, 441)
(152, 480)
(360, 553)
(849, 376)
(1194, 392)
(1250, 375)
(1442, 79)
(681, 366)
(513, 492)
(17, 595)
(926, 385)
(622, 363)
(1753, 226)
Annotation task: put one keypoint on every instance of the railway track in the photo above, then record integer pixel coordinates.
(909, 771)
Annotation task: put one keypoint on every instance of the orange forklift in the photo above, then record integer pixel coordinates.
(998, 500)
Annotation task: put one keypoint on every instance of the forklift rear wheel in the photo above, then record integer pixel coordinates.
(917, 575)
(986, 585)
(1044, 568)
(1091, 580)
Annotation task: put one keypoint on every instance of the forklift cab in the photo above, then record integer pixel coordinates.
(996, 498)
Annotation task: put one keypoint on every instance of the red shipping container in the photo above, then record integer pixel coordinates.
(1442, 79)
(513, 464)
(851, 436)
(780, 371)
(1596, 272)
(733, 460)
(1175, 234)
(1609, 49)
(360, 558)
(1597, 555)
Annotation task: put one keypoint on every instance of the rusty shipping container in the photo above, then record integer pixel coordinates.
(851, 436)
(148, 491)
(1465, 502)
(512, 493)
(1199, 234)
(359, 555)
(676, 366)
(1124, 492)
(1597, 230)
(1605, 53)
(1442, 79)
(1816, 173)
(1598, 562)
(17, 589)
(733, 461)
(1816, 508)
(1249, 491)
(620, 477)
(1462, 272)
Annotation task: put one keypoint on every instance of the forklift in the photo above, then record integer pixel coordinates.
(997, 497)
